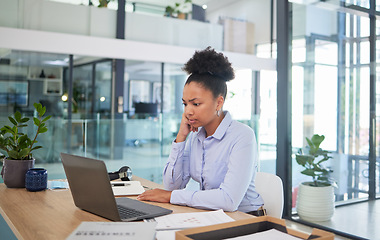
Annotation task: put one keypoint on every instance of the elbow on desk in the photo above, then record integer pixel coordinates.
(225, 208)
(229, 204)
(230, 207)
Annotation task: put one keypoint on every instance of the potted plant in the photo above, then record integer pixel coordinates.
(18, 147)
(315, 200)
(169, 10)
(103, 3)
(179, 10)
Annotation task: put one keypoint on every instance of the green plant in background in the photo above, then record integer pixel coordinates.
(17, 144)
(312, 162)
(179, 8)
(169, 10)
(104, 3)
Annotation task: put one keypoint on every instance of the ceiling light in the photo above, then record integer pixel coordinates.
(64, 97)
(56, 62)
(204, 6)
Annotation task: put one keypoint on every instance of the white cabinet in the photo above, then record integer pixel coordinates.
(51, 76)
(53, 87)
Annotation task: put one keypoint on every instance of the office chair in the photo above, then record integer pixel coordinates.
(270, 187)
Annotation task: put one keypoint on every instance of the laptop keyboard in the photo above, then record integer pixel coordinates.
(126, 213)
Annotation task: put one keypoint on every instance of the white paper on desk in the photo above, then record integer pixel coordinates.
(166, 235)
(128, 188)
(114, 231)
(190, 220)
(272, 234)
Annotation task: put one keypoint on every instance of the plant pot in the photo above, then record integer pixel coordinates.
(315, 204)
(182, 15)
(36, 179)
(13, 172)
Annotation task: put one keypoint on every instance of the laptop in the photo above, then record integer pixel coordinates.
(92, 191)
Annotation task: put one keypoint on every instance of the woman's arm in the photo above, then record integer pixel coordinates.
(242, 162)
(175, 175)
(177, 170)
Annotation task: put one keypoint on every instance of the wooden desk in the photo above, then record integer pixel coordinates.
(51, 214)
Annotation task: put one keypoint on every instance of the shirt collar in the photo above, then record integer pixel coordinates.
(222, 128)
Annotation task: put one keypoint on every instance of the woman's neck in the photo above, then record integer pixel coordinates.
(212, 126)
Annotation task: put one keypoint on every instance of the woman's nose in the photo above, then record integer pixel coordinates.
(188, 110)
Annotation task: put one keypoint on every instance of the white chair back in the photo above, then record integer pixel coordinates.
(270, 187)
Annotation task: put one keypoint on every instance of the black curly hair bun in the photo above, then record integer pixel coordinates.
(208, 61)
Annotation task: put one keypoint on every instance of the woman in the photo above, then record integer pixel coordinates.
(211, 148)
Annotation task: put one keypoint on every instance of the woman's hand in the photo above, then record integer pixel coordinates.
(184, 129)
(156, 195)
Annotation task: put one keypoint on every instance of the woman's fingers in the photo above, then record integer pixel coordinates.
(155, 195)
(193, 129)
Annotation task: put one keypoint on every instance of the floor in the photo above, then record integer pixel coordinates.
(359, 219)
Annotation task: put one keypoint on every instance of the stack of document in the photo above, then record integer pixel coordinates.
(191, 220)
(114, 231)
(167, 225)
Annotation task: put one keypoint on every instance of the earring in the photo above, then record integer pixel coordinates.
(218, 113)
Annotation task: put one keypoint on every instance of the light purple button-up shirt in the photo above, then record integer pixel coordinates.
(224, 165)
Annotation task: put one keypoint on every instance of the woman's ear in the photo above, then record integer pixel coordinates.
(220, 102)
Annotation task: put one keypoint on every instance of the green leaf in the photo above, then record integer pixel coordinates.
(8, 129)
(13, 154)
(18, 116)
(317, 140)
(47, 118)
(322, 178)
(309, 142)
(323, 160)
(308, 172)
(303, 159)
(23, 138)
(36, 147)
(36, 121)
(24, 120)
(44, 129)
(12, 120)
(43, 110)
(37, 106)
(22, 125)
(24, 153)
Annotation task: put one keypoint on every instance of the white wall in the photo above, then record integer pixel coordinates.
(101, 22)
(178, 32)
(255, 11)
(308, 19)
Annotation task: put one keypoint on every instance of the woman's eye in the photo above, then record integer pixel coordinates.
(196, 104)
(184, 104)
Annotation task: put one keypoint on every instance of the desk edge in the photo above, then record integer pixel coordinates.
(10, 224)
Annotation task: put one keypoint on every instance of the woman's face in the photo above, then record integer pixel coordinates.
(200, 105)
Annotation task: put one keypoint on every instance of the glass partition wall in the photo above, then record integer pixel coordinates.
(331, 95)
(151, 115)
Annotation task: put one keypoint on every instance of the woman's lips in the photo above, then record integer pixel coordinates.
(192, 121)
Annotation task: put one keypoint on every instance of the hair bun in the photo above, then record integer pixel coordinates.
(208, 61)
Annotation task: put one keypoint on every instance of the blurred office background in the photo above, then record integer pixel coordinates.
(114, 87)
